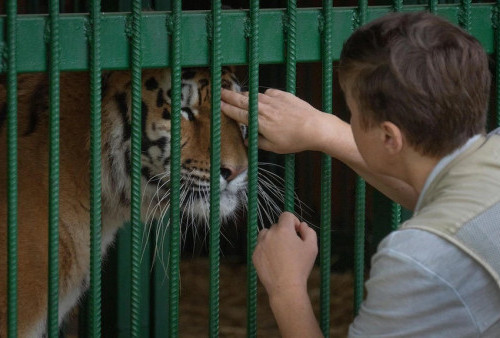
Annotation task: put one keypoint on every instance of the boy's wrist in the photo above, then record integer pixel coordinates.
(283, 297)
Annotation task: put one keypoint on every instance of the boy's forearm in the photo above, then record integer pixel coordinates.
(294, 315)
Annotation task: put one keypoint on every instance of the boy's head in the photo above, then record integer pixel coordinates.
(420, 72)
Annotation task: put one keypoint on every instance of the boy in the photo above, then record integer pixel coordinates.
(417, 88)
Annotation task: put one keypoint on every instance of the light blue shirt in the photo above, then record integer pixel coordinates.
(421, 285)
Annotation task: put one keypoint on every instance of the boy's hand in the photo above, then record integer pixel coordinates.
(287, 124)
(283, 259)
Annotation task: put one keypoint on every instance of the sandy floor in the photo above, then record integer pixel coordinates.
(194, 301)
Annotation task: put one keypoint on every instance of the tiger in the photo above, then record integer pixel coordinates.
(74, 173)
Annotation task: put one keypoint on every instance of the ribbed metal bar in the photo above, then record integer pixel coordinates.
(12, 169)
(53, 293)
(433, 6)
(253, 157)
(465, 14)
(135, 155)
(291, 62)
(397, 5)
(175, 165)
(359, 213)
(326, 174)
(95, 170)
(216, 64)
(395, 215)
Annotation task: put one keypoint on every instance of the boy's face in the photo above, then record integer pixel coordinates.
(370, 142)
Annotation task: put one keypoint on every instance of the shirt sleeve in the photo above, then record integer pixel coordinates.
(407, 299)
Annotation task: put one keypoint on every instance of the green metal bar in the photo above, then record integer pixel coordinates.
(326, 175)
(395, 215)
(395, 207)
(135, 185)
(253, 158)
(12, 206)
(359, 213)
(216, 64)
(433, 6)
(53, 292)
(291, 61)
(95, 170)
(115, 53)
(465, 14)
(175, 165)
(397, 5)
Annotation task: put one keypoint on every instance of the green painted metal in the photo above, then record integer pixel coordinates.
(54, 126)
(215, 164)
(291, 62)
(95, 170)
(291, 76)
(397, 5)
(135, 174)
(12, 196)
(156, 47)
(359, 206)
(395, 207)
(433, 6)
(253, 157)
(326, 174)
(465, 14)
(175, 165)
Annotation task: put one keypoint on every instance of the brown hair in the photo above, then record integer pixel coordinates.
(423, 74)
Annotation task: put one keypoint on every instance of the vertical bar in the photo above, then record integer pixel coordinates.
(326, 174)
(359, 209)
(53, 295)
(12, 168)
(216, 64)
(175, 165)
(95, 170)
(433, 6)
(253, 134)
(290, 87)
(395, 207)
(135, 188)
(397, 5)
(465, 14)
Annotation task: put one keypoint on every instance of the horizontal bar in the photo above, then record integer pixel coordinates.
(195, 50)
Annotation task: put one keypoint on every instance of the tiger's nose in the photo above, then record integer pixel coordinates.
(229, 172)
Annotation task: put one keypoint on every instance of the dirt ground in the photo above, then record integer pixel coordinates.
(194, 301)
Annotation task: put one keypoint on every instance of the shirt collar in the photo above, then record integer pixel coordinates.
(441, 164)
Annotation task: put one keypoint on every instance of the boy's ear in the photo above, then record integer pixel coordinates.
(392, 137)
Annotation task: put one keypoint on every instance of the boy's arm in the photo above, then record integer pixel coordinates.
(294, 314)
(288, 124)
(284, 258)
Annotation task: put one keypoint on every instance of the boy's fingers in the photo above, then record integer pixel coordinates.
(306, 232)
(235, 113)
(288, 219)
(234, 98)
(262, 234)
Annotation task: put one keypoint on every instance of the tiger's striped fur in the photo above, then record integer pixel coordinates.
(33, 144)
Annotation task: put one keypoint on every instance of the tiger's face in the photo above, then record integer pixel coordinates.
(195, 143)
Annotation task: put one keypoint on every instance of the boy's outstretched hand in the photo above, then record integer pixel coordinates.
(287, 124)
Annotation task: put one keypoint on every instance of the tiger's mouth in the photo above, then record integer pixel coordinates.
(195, 198)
